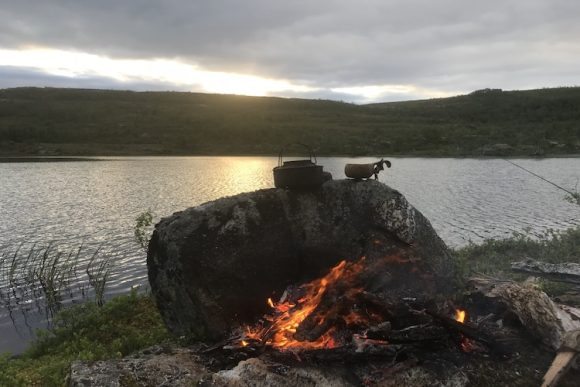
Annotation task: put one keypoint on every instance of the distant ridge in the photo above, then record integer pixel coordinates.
(488, 122)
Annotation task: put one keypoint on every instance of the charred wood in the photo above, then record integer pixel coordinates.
(412, 334)
(470, 332)
(346, 354)
(400, 313)
(326, 315)
(380, 331)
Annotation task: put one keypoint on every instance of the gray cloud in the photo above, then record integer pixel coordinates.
(444, 45)
(31, 77)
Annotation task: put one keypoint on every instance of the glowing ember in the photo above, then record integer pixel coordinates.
(460, 315)
(467, 345)
(244, 343)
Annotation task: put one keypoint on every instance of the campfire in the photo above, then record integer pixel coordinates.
(351, 315)
(336, 311)
(301, 320)
(257, 281)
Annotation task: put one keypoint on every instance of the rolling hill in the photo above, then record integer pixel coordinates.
(50, 121)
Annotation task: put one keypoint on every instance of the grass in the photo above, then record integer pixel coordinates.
(50, 277)
(494, 256)
(86, 332)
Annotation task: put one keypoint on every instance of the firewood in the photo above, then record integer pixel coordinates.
(327, 314)
(418, 333)
(392, 310)
(385, 307)
(345, 354)
(564, 358)
(543, 318)
(562, 272)
(316, 328)
(380, 330)
(411, 334)
(471, 332)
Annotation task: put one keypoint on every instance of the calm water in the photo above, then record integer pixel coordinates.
(95, 203)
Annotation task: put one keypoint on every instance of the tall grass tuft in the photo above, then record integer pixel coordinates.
(43, 279)
(98, 272)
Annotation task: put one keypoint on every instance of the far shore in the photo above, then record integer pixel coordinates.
(106, 157)
(37, 159)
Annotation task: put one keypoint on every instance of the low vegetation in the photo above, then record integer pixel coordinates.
(52, 277)
(35, 121)
(493, 257)
(85, 332)
(142, 228)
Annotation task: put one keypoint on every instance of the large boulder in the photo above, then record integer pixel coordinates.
(212, 267)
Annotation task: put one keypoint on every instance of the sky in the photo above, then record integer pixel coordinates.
(356, 51)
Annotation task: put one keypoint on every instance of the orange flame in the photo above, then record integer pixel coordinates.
(271, 303)
(467, 345)
(460, 315)
(289, 316)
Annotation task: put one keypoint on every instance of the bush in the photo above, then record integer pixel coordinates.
(87, 332)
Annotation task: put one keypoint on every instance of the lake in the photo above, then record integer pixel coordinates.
(95, 203)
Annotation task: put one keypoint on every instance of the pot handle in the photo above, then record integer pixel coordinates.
(311, 153)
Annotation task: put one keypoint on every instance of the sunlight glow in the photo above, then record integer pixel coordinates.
(376, 92)
(77, 64)
(178, 75)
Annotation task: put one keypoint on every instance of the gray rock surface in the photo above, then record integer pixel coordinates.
(158, 366)
(256, 372)
(213, 266)
(155, 366)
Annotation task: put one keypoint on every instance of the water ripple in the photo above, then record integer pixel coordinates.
(96, 203)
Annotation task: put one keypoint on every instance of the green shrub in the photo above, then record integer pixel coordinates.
(86, 332)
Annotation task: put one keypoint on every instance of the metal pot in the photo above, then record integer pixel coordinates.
(299, 174)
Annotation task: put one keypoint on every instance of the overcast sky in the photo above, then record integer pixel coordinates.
(357, 51)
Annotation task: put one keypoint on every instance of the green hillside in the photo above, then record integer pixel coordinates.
(52, 121)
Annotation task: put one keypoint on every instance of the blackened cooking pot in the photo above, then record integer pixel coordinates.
(299, 174)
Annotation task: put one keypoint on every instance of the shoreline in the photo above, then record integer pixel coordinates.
(37, 159)
(108, 157)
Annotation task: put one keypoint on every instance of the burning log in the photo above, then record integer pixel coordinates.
(332, 318)
(329, 313)
(562, 272)
(471, 332)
